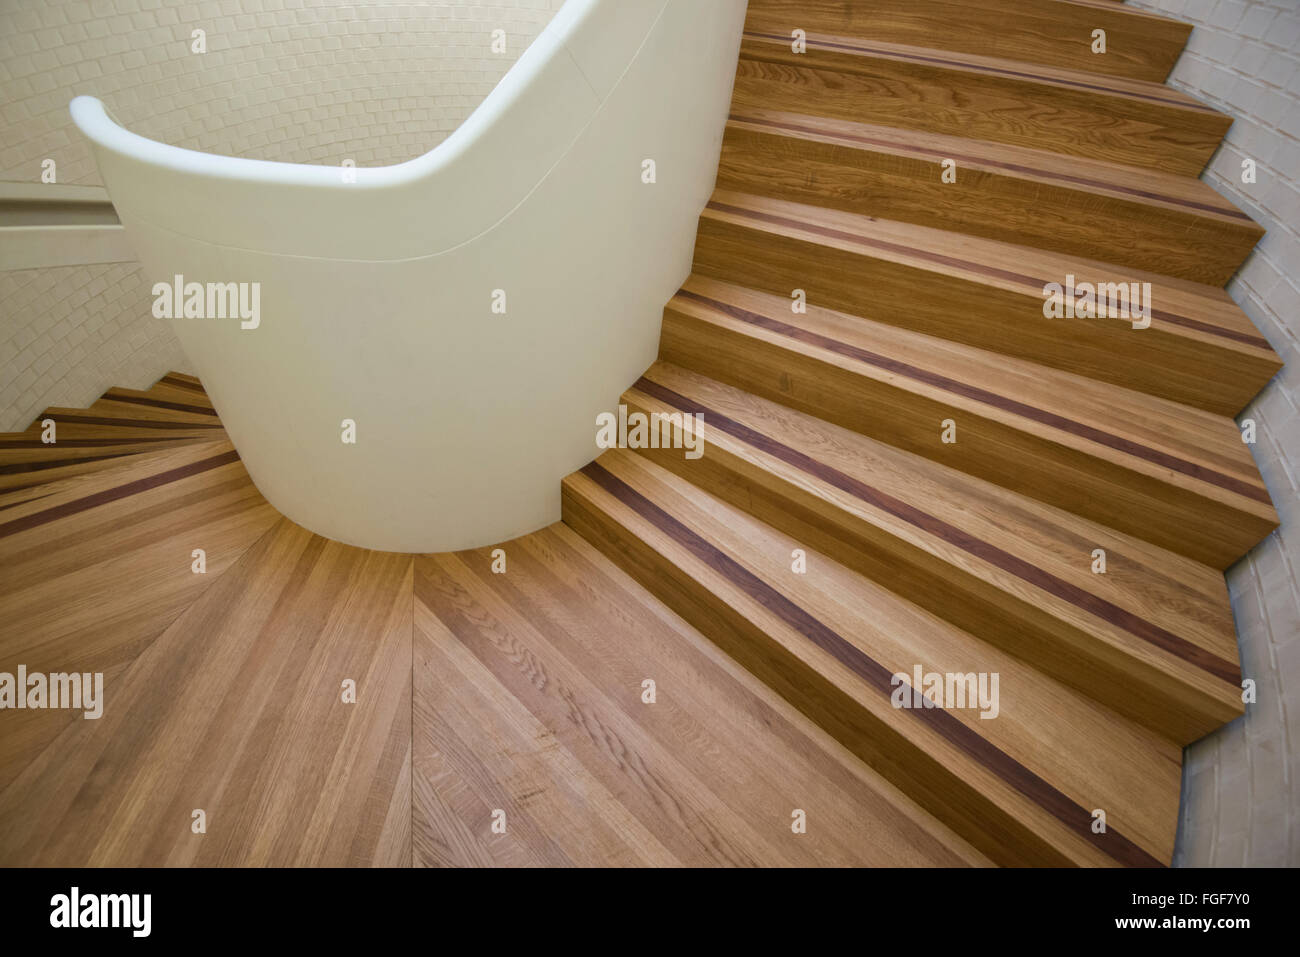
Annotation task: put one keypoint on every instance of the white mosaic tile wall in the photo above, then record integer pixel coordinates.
(72, 332)
(1241, 786)
(309, 81)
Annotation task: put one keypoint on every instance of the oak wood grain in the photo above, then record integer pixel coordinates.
(1156, 222)
(1139, 45)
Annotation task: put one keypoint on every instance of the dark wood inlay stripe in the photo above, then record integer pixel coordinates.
(1052, 419)
(113, 494)
(133, 423)
(18, 468)
(986, 551)
(83, 443)
(1230, 211)
(159, 403)
(876, 676)
(822, 44)
(993, 271)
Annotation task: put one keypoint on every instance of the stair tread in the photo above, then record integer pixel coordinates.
(160, 399)
(1186, 309)
(128, 409)
(1131, 183)
(28, 456)
(107, 417)
(184, 380)
(1140, 43)
(1116, 86)
(1178, 444)
(35, 481)
(857, 633)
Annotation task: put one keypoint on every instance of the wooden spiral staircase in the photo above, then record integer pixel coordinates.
(522, 692)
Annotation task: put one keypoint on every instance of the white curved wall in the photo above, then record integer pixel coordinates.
(309, 81)
(376, 294)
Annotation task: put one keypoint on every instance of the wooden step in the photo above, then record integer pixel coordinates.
(1004, 101)
(27, 481)
(1153, 221)
(707, 776)
(124, 422)
(1200, 349)
(162, 397)
(96, 569)
(1021, 786)
(32, 480)
(22, 458)
(1177, 477)
(184, 381)
(1151, 638)
(235, 699)
(127, 409)
(1138, 44)
(108, 419)
(178, 387)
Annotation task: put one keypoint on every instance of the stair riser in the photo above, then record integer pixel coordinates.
(1182, 709)
(1021, 112)
(1006, 840)
(1190, 371)
(1077, 222)
(1166, 515)
(1057, 34)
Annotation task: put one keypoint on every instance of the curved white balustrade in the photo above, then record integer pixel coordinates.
(377, 285)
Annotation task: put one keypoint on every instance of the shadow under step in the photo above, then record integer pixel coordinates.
(832, 642)
(1175, 476)
(1152, 221)
(1114, 119)
(1138, 44)
(1199, 348)
(1152, 637)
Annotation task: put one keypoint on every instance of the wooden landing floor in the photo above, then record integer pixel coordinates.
(476, 693)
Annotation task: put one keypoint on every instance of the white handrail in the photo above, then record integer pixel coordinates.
(472, 310)
(456, 191)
